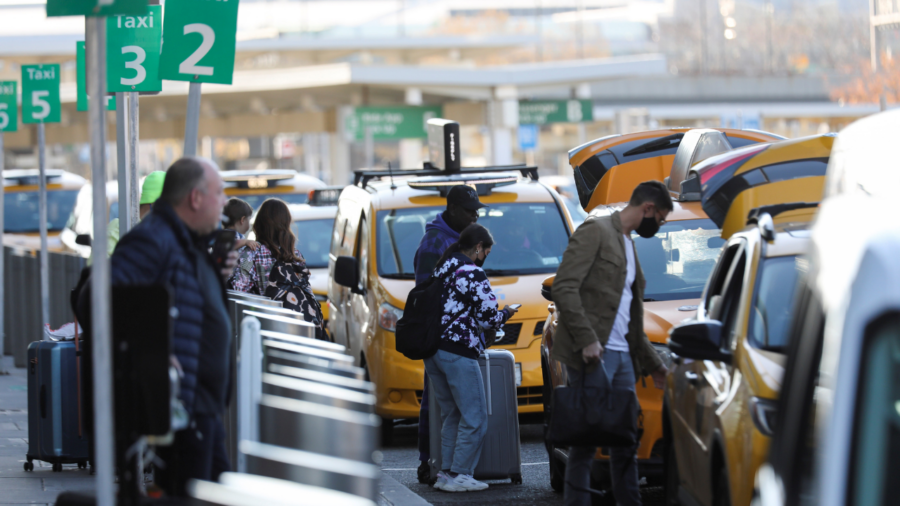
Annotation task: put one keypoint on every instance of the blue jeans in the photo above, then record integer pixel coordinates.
(459, 390)
(623, 461)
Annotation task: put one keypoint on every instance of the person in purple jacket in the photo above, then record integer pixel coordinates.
(462, 211)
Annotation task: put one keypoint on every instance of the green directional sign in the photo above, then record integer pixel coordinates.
(405, 122)
(95, 7)
(81, 102)
(40, 93)
(200, 41)
(132, 51)
(555, 111)
(9, 107)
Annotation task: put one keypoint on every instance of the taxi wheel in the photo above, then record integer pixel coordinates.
(672, 479)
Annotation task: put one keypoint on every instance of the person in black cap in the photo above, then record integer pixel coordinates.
(462, 211)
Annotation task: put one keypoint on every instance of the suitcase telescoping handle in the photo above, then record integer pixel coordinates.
(78, 376)
(487, 376)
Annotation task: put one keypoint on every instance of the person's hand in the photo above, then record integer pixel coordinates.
(230, 263)
(510, 310)
(591, 353)
(173, 361)
(253, 245)
(659, 377)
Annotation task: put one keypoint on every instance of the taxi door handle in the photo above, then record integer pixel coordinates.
(692, 378)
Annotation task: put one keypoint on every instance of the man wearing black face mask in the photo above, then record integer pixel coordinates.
(599, 291)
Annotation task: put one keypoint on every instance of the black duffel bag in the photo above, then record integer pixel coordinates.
(594, 416)
(419, 329)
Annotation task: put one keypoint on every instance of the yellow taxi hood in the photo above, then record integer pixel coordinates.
(318, 280)
(661, 316)
(32, 241)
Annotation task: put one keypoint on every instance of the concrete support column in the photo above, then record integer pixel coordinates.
(411, 149)
(340, 149)
(503, 119)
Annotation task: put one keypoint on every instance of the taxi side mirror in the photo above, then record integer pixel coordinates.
(547, 288)
(346, 273)
(699, 340)
(83, 240)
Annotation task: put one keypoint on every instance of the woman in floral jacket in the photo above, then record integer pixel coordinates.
(470, 308)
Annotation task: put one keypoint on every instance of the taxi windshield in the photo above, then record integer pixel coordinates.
(771, 316)
(256, 200)
(678, 259)
(22, 213)
(313, 239)
(529, 238)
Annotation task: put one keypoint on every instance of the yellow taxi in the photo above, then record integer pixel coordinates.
(255, 186)
(78, 234)
(21, 220)
(379, 225)
(676, 263)
(728, 362)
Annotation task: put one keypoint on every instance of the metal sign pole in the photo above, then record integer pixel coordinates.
(2, 258)
(122, 162)
(104, 429)
(192, 121)
(42, 214)
(133, 136)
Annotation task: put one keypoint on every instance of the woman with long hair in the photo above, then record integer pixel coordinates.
(470, 308)
(277, 269)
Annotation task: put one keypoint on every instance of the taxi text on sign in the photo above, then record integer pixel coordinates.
(200, 41)
(94, 7)
(132, 51)
(9, 107)
(81, 102)
(40, 93)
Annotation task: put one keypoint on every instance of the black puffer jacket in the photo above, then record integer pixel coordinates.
(160, 250)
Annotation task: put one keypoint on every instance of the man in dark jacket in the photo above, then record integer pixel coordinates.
(170, 246)
(444, 230)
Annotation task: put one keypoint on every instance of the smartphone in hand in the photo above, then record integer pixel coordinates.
(222, 245)
(515, 306)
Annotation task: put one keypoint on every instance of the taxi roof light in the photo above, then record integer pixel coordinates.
(362, 177)
(483, 183)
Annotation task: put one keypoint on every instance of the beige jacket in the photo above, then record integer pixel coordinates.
(587, 291)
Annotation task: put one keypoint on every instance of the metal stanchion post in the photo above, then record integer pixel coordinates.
(133, 136)
(104, 429)
(192, 121)
(122, 161)
(2, 257)
(42, 214)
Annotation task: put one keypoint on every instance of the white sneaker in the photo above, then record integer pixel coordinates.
(442, 479)
(464, 483)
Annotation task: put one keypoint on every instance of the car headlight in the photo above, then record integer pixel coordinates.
(764, 413)
(665, 354)
(388, 316)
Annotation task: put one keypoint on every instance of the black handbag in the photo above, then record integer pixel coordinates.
(594, 416)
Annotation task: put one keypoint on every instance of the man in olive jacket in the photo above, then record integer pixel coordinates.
(599, 293)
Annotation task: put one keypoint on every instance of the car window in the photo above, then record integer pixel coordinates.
(770, 317)
(876, 431)
(731, 296)
(677, 261)
(575, 210)
(362, 253)
(529, 238)
(22, 212)
(289, 198)
(313, 240)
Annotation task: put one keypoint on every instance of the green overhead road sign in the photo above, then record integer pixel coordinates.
(406, 122)
(555, 111)
(40, 93)
(81, 102)
(132, 51)
(95, 7)
(9, 107)
(200, 41)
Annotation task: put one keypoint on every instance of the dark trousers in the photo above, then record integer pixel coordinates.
(424, 441)
(197, 453)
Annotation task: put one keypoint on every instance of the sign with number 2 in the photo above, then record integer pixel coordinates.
(199, 41)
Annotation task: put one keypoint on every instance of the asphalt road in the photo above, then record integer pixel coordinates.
(400, 461)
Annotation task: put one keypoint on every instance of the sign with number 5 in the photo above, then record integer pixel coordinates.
(40, 93)
(8, 107)
(132, 51)
(199, 41)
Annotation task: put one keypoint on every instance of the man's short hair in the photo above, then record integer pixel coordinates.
(185, 175)
(654, 192)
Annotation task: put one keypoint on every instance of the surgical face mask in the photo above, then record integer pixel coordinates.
(480, 261)
(648, 227)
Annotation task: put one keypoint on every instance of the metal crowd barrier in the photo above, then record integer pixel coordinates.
(22, 297)
(235, 489)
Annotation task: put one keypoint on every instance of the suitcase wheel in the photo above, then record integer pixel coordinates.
(28, 466)
(82, 464)
(57, 467)
(516, 479)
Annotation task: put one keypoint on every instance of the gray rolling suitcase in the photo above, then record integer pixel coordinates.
(55, 431)
(501, 457)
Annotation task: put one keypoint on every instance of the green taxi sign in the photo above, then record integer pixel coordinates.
(81, 96)
(390, 123)
(95, 7)
(200, 41)
(40, 93)
(9, 107)
(555, 111)
(132, 51)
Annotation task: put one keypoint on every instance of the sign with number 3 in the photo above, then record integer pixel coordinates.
(199, 41)
(132, 51)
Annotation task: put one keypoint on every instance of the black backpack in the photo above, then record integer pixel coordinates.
(419, 330)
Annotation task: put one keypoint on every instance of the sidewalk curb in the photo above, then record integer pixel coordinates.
(393, 493)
